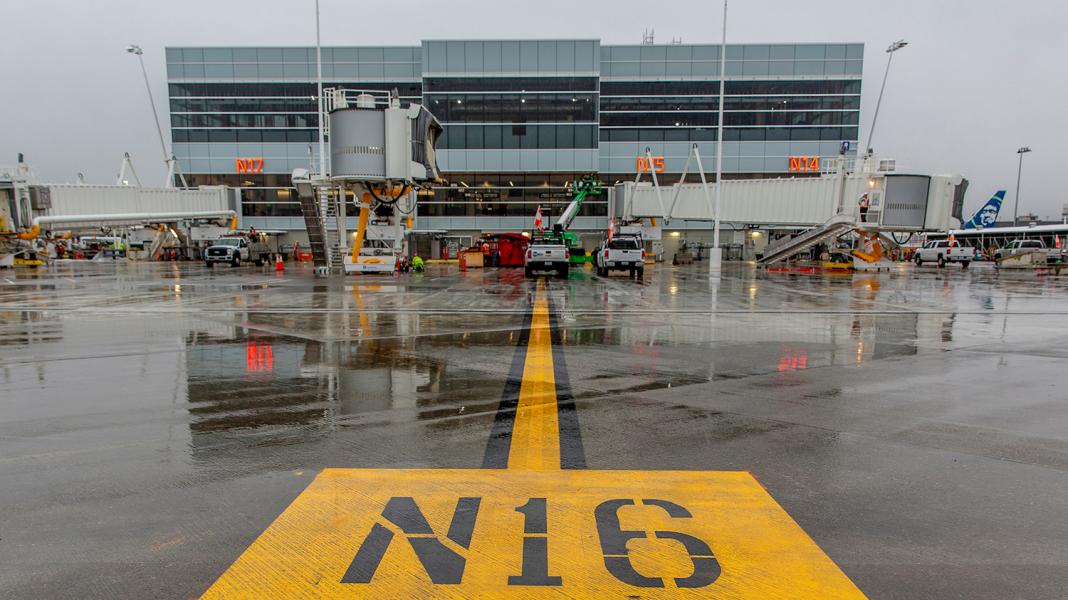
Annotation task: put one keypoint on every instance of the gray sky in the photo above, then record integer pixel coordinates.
(978, 79)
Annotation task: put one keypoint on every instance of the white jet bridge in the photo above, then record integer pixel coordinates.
(380, 153)
(29, 210)
(828, 204)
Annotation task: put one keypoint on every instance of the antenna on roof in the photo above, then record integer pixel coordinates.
(676, 41)
(647, 37)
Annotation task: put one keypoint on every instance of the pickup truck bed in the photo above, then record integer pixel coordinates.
(943, 252)
(622, 253)
(546, 255)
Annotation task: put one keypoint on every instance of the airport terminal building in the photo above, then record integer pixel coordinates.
(522, 118)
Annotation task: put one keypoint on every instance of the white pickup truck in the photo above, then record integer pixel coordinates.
(944, 251)
(1016, 247)
(547, 254)
(621, 253)
(233, 250)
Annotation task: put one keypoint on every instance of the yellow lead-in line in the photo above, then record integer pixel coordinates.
(536, 432)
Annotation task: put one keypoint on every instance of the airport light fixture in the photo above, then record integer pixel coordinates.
(715, 256)
(168, 158)
(1019, 170)
(890, 52)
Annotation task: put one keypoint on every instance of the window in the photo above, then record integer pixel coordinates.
(510, 84)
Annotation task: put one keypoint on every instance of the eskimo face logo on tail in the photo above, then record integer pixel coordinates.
(988, 214)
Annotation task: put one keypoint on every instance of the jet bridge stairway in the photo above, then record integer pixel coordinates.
(313, 222)
(781, 249)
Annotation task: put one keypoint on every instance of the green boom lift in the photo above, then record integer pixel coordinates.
(582, 189)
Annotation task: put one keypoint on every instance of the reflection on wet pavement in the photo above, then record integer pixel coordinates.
(132, 393)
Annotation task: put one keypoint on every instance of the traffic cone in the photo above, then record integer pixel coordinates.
(463, 261)
(278, 264)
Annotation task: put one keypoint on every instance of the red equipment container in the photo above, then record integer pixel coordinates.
(511, 247)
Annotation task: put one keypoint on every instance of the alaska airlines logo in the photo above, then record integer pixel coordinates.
(988, 214)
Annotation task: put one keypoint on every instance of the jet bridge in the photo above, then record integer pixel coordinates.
(828, 203)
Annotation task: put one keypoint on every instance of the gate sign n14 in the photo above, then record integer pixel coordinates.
(804, 164)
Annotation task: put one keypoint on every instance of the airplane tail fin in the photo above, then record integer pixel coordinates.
(988, 214)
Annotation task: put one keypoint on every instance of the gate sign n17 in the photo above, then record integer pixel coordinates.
(249, 165)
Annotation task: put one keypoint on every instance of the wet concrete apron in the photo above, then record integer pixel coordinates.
(157, 419)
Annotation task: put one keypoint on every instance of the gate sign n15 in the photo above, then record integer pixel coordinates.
(655, 163)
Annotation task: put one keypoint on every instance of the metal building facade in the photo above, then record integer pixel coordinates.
(523, 118)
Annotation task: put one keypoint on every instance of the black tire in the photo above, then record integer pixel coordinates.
(964, 264)
(641, 273)
(209, 264)
(941, 262)
(919, 261)
(236, 262)
(260, 261)
(528, 272)
(562, 272)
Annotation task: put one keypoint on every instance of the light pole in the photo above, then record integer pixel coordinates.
(715, 254)
(893, 48)
(1019, 170)
(167, 157)
(319, 79)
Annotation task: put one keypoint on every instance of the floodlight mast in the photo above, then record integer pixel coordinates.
(168, 157)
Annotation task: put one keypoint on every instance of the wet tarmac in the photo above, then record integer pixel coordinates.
(156, 418)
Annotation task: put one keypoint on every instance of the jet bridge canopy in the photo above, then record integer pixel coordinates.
(897, 202)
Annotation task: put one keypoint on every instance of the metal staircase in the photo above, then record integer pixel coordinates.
(781, 249)
(313, 222)
(333, 240)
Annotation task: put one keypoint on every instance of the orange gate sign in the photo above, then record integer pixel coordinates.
(804, 164)
(249, 165)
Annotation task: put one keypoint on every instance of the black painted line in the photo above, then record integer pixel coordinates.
(500, 440)
(572, 452)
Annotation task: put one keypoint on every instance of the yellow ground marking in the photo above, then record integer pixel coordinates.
(536, 432)
(761, 551)
(533, 530)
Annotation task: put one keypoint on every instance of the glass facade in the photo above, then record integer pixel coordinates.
(522, 118)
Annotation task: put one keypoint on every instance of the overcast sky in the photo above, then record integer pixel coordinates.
(978, 80)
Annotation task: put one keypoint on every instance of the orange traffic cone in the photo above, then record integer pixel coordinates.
(463, 261)
(278, 264)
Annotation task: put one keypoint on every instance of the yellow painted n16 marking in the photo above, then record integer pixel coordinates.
(531, 534)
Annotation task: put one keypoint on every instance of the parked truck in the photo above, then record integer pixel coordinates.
(234, 250)
(1018, 247)
(621, 252)
(547, 253)
(943, 252)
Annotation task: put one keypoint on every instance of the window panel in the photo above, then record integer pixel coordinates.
(809, 52)
(295, 55)
(835, 51)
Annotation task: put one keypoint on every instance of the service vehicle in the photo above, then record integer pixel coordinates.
(944, 251)
(547, 254)
(621, 252)
(234, 250)
(1017, 247)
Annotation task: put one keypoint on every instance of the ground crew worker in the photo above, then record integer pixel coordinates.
(864, 203)
(417, 264)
